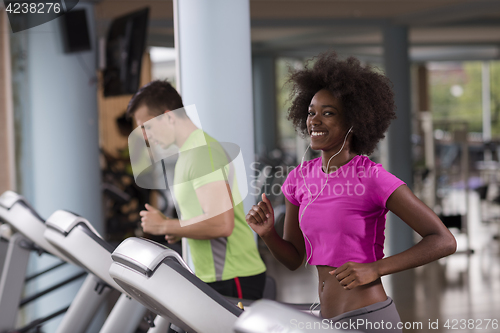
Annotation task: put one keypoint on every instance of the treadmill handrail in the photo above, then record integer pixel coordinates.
(130, 252)
(144, 255)
(85, 228)
(60, 221)
(9, 198)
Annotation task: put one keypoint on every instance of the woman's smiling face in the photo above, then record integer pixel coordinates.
(326, 122)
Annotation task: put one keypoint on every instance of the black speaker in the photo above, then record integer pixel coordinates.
(75, 31)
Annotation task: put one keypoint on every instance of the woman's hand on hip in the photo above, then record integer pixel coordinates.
(261, 217)
(352, 274)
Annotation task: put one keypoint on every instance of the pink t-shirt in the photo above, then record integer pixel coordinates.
(347, 221)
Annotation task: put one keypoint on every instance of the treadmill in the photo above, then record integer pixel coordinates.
(74, 236)
(157, 277)
(21, 233)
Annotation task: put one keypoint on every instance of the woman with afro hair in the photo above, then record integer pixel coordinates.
(336, 204)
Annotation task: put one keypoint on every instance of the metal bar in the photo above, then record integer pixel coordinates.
(31, 277)
(40, 321)
(48, 290)
(125, 317)
(84, 306)
(12, 281)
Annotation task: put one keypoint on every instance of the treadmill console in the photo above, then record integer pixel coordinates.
(144, 255)
(64, 221)
(9, 198)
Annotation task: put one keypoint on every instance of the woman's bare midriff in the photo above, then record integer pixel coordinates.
(336, 300)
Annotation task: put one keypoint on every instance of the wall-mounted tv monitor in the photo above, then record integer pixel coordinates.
(125, 45)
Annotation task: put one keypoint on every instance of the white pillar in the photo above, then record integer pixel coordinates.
(213, 41)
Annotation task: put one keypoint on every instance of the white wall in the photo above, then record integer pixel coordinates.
(56, 110)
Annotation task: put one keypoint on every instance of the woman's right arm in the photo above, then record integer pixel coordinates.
(289, 250)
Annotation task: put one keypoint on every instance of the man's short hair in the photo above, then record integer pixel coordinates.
(159, 96)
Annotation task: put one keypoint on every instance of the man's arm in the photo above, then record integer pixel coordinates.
(216, 221)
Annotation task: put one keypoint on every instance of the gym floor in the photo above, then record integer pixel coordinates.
(459, 293)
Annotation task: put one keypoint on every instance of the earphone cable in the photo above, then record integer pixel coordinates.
(310, 193)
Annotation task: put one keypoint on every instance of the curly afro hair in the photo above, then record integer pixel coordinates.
(366, 96)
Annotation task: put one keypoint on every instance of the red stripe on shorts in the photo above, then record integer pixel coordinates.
(238, 287)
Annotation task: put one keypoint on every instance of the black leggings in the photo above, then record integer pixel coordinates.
(247, 287)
